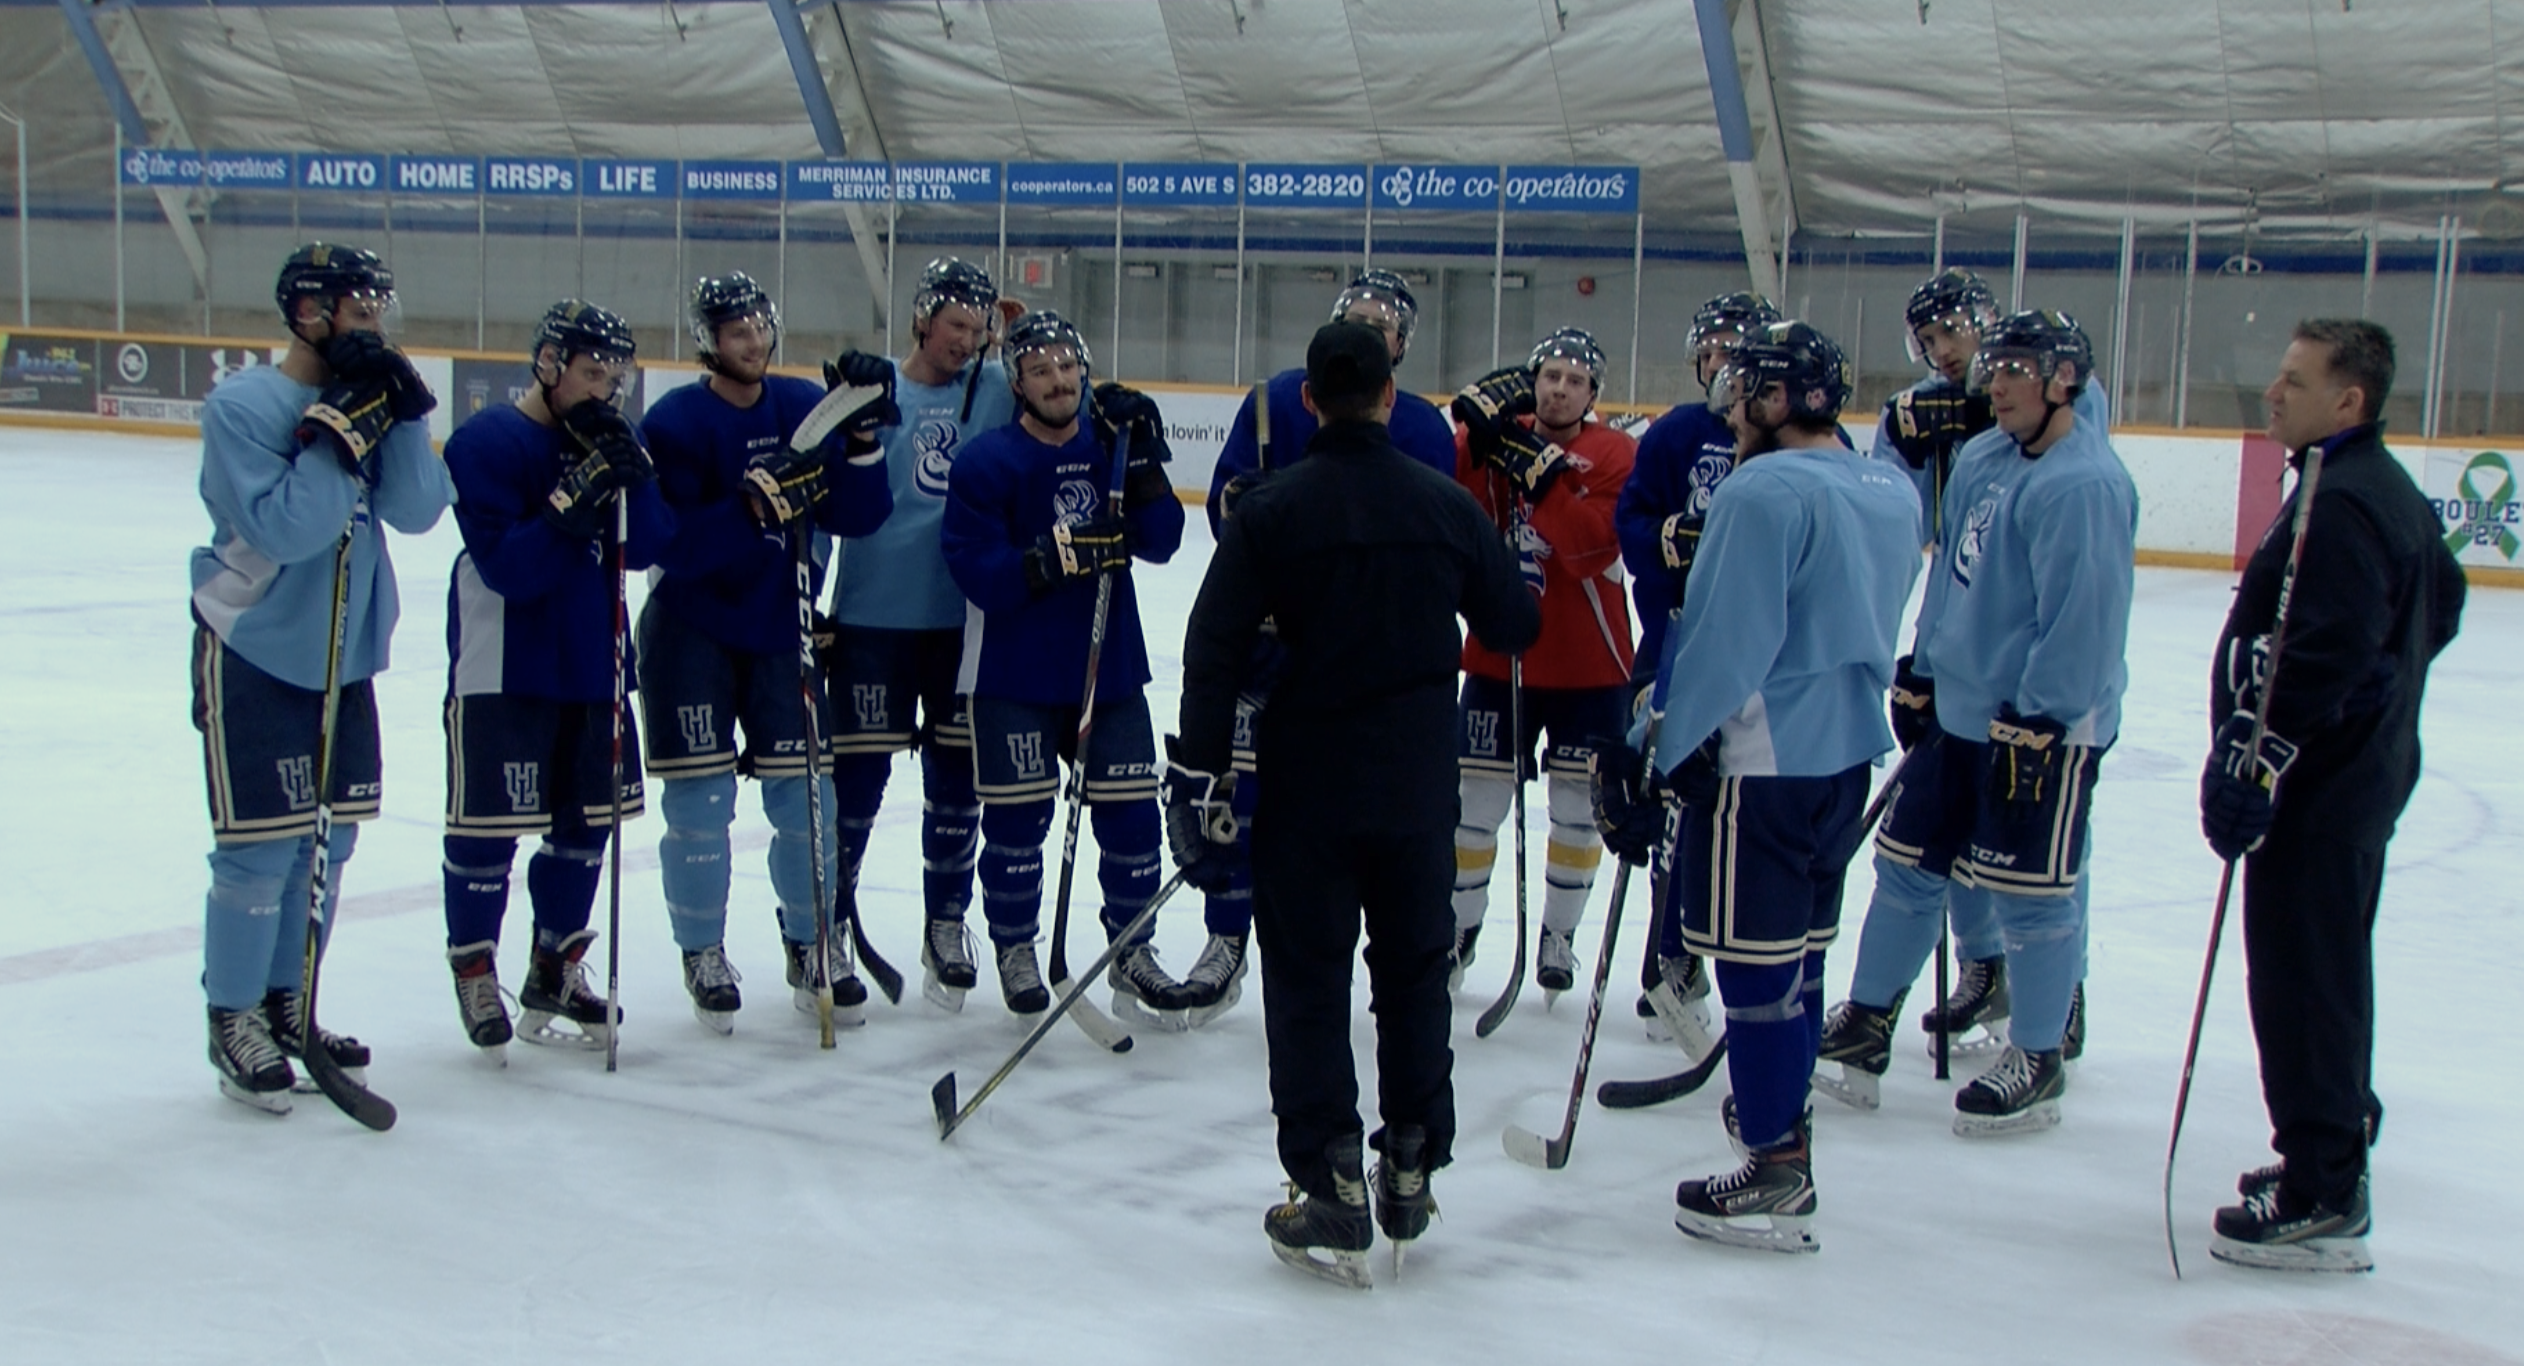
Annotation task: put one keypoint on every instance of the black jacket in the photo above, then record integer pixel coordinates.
(2377, 595)
(1364, 558)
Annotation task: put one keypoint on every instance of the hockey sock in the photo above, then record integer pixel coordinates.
(693, 857)
(241, 918)
(475, 877)
(561, 881)
(858, 794)
(1485, 799)
(1974, 922)
(1770, 1048)
(1571, 855)
(1128, 865)
(784, 803)
(950, 830)
(2044, 942)
(1012, 868)
(1900, 933)
(289, 951)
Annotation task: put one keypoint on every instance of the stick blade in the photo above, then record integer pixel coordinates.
(1534, 1150)
(834, 409)
(883, 973)
(942, 1101)
(1638, 1095)
(1107, 1032)
(370, 1109)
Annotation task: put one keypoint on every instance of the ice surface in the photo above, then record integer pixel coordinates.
(750, 1199)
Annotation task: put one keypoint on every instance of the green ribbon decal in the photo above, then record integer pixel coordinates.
(2484, 515)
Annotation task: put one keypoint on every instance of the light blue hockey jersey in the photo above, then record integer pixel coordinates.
(264, 584)
(2029, 602)
(1785, 643)
(896, 576)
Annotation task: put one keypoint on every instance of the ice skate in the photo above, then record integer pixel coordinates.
(1860, 1039)
(711, 980)
(946, 962)
(2019, 1094)
(286, 1012)
(1216, 981)
(2273, 1231)
(478, 1003)
(1766, 1204)
(2073, 1041)
(1308, 1224)
(1143, 993)
(850, 995)
(1973, 1016)
(556, 989)
(1401, 1179)
(1555, 965)
(1467, 938)
(1681, 1003)
(1021, 980)
(252, 1069)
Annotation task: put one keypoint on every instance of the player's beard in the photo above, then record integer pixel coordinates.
(1045, 417)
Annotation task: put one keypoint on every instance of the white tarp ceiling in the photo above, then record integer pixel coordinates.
(2314, 117)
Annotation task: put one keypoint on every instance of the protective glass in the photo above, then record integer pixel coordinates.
(1958, 320)
(1989, 365)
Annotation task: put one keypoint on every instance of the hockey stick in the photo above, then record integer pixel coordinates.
(1099, 1026)
(1073, 998)
(1496, 1015)
(1638, 1095)
(353, 1099)
(803, 544)
(1524, 1144)
(883, 973)
(834, 409)
(621, 659)
(2226, 880)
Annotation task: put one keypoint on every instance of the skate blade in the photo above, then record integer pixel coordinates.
(1986, 1037)
(1686, 1022)
(2032, 1119)
(1344, 1269)
(1131, 1010)
(1199, 1017)
(939, 994)
(536, 1027)
(1782, 1233)
(719, 1022)
(2334, 1255)
(1551, 997)
(494, 1053)
(844, 1016)
(269, 1102)
(1855, 1087)
(1401, 1253)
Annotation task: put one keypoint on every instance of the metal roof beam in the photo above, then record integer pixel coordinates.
(147, 114)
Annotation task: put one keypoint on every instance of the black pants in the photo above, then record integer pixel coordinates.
(2309, 923)
(1310, 887)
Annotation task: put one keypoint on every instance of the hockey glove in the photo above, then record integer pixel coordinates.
(1531, 550)
(1628, 800)
(2247, 671)
(1926, 423)
(785, 484)
(1680, 540)
(1077, 550)
(1528, 460)
(2024, 758)
(610, 460)
(1201, 825)
(1491, 403)
(357, 356)
(859, 370)
(1696, 780)
(350, 419)
(1234, 490)
(2239, 789)
(1913, 705)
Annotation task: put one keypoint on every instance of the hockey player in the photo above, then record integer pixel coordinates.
(300, 461)
(1661, 512)
(1273, 429)
(2376, 595)
(719, 637)
(530, 675)
(1030, 528)
(1919, 431)
(1365, 559)
(1771, 694)
(1551, 480)
(900, 636)
(2019, 649)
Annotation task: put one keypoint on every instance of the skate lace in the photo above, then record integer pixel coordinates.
(574, 988)
(2012, 1077)
(1970, 986)
(1018, 970)
(710, 968)
(479, 995)
(1556, 951)
(950, 943)
(1221, 960)
(247, 1039)
(1138, 965)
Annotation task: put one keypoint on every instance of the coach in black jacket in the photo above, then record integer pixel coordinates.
(2377, 594)
(1364, 558)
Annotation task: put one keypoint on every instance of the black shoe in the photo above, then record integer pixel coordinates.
(252, 1069)
(2276, 1230)
(2018, 1094)
(1774, 1186)
(1309, 1223)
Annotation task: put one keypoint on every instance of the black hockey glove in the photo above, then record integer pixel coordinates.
(1077, 550)
(1912, 706)
(349, 420)
(363, 358)
(610, 460)
(2239, 789)
(1118, 409)
(1490, 404)
(1628, 800)
(1201, 825)
(859, 370)
(785, 484)
(1926, 423)
(2025, 753)
(1696, 780)
(1529, 460)
(1680, 540)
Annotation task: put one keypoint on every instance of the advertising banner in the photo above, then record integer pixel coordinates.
(47, 374)
(2475, 495)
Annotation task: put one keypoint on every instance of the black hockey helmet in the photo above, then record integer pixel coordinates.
(1575, 345)
(1956, 297)
(1385, 288)
(581, 328)
(1807, 363)
(1736, 314)
(718, 300)
(324, 270)
(1043, 330)
(2039, 338)
(954, 280)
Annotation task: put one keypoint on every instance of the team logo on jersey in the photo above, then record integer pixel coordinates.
(700, 735)
(868, 700)
(525, 784)
(1243, 735)
(1025, 751)
(1711, 467)
(933, 443)
(297, 780)
(1483, 729)
(1967, 551)
(1075, 501)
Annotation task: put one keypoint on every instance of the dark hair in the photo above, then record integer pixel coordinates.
(2361, 356)
(1347, 365)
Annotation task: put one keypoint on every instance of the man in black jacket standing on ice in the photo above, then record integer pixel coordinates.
(2376, 595)
(1365, 558)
